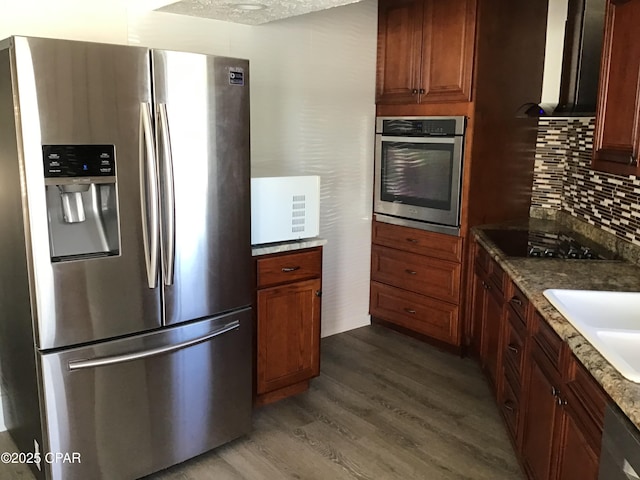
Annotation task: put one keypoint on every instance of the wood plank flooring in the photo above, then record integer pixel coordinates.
(385, 406)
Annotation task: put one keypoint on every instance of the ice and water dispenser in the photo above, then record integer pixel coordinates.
(82, 204)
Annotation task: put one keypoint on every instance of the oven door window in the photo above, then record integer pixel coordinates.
(417, 174)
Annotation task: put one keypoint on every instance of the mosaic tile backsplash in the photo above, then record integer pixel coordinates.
(563, 179)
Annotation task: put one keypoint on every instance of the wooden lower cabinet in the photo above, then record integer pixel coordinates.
(421, 314)
(558, 441)
(488, 310)
(541, 418)
(578, 459)
(491, 339)
(287, 326)
(415, 282)
(552, 407)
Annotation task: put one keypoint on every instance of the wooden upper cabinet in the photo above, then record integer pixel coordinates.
(447, 50)
(617, 135)
(399, 50)
(425, 51)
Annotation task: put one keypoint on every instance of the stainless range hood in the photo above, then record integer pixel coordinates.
(581, 59)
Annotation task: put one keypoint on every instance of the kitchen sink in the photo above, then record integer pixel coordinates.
(610, 321)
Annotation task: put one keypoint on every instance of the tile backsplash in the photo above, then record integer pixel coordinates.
(563, 179)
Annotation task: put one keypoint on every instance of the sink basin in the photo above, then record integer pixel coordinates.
(610, 321)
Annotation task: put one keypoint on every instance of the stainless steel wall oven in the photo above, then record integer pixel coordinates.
(418, 171)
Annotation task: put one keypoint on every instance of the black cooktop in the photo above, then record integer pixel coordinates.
(535, 243)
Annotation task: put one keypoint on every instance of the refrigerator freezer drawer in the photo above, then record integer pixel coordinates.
(137, 405)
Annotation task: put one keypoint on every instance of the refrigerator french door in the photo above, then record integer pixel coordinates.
(132, 173)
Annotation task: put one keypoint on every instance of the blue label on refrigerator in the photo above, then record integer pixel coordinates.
(236, 76)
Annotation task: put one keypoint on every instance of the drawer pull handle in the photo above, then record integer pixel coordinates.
(412, 240)
(290, 269)
(512, 348)
(508, 405)
(409, 310)
(516, 301)
(411, 272)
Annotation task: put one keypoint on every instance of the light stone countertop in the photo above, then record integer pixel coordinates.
(281, 247)
(534, 275)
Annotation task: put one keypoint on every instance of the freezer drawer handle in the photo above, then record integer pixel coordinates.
(129, 357)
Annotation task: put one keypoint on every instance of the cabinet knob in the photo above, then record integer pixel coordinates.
(508, 405)
(410, 310)
(561, 401)
(555, 392)
(414, 91)
(318, 293)
(412, 240)
(411, 272)
(633, 160)
(422, 91)
(512, 348)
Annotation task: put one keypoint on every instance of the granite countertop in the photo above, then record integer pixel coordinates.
(281, 247)
(534, 275)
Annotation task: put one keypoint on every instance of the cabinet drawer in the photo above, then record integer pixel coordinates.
(421, 314)
(497, 276)
(513, 353)
(519, 303)
(510, 407)
(548, 341)
(427, 276)
(494, 272)
(437, 245)
(290, 267)
(587, 391)
(483, 259)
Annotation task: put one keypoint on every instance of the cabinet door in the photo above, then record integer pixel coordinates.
(288, 333)
(447, 50)
(477, 315)
(577, 458)
(399, 51)
(541, 418)
(618, 112)
(491, 335)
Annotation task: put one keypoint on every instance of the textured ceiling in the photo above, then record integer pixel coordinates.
(227, 10)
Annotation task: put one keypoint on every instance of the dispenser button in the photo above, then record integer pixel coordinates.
(105, 169)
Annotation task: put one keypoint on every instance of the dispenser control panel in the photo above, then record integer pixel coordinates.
(79, 161)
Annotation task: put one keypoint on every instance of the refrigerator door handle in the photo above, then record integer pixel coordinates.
(129, 357)
(168, 205)
(150, 214)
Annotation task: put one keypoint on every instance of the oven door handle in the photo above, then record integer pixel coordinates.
(435, 139)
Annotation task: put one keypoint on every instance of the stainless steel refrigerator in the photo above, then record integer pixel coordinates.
(125, 261)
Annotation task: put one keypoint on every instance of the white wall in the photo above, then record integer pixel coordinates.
(556, 19)
(312, 107)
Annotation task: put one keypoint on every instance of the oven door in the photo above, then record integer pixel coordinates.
(419, 178)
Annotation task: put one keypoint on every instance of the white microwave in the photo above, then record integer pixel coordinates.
(284, 208)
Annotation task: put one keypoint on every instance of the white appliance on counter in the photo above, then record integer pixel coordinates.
(284, 208)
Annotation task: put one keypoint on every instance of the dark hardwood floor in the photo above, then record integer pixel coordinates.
(385, 406)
